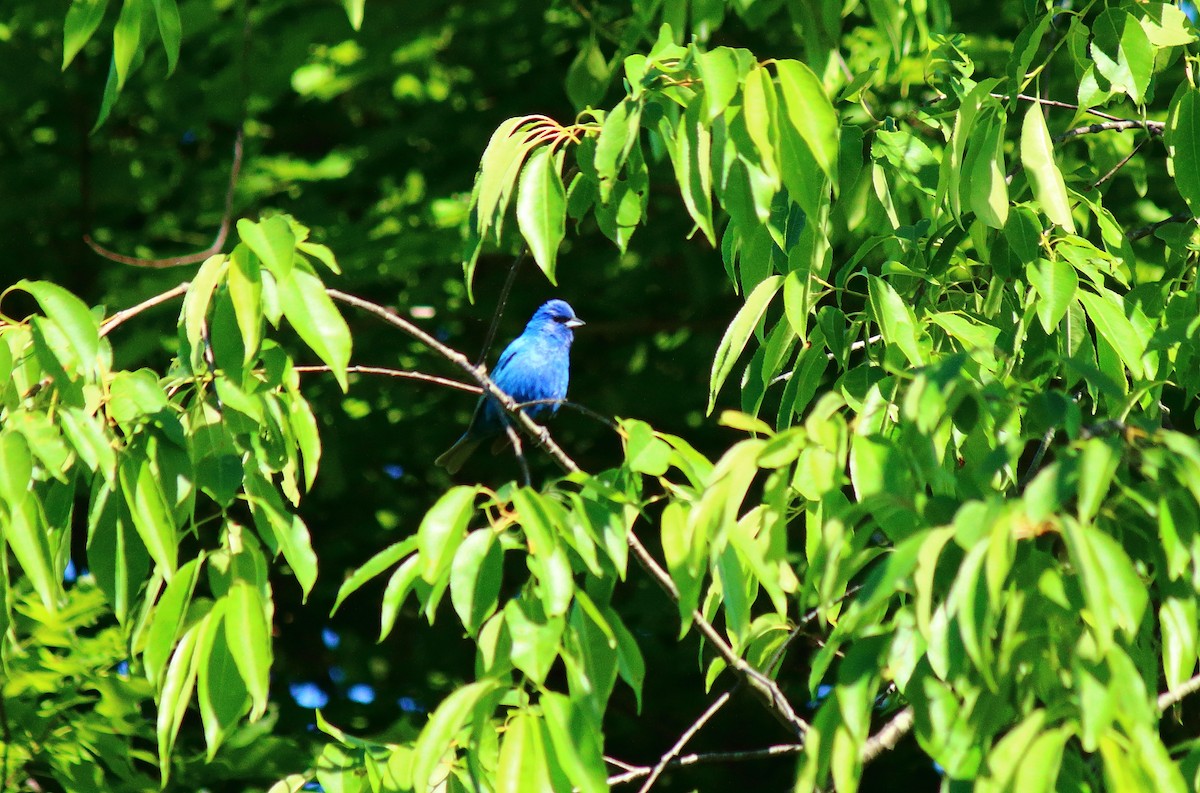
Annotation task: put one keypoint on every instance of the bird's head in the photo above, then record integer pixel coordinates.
(555, 317)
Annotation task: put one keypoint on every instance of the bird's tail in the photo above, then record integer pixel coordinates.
(454, 457)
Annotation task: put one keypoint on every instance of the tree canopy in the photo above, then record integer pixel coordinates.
(880, 461)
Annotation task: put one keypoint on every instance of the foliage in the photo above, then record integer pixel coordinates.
(946, 517)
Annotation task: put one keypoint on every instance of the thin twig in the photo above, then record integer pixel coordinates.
(1036, 462)
(888, 736)
(1144, 231)
(637, 772)
(1153, 127)
(687, 735)
(117, 319)
(191, 258)
(514, 438)
(1168, 698)
(1064, 105)
(765, 688)
(1113, 171)
(402, 373)
(500, 303)
(777, 656)
(574, 406)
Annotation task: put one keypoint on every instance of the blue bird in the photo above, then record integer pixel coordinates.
(535, 366)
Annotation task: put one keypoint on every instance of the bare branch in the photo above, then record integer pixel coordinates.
(1145, 231)
(574, 406)
(1113, 171)
(1064, 105)
(687, 735)
(1168, 698)
(888, 736)
(637, 772)
(766, 689)
(1153, 127)
(501, 301)
(113, 322)
(191, 258)
(401, 373)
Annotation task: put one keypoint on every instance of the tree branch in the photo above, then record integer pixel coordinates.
(1175, 695)
(1145, 231)
(637, 772)
(117, 319)
(766, 689)
(400, 373)
(1054, 103)
(687, 735)
(1153, 127)
(888, 736)
(191, 258)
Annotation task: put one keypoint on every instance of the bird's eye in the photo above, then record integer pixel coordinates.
(560, 319)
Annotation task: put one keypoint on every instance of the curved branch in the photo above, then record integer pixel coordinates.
(1175, 695)
(687, 735)
(637, 772)
(766, 689)
(117, 319)
(399, 373)
(191, 258)
(1153, 127)
(888, 736)
(1145, 231)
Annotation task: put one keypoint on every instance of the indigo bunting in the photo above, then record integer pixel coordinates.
(536, 365)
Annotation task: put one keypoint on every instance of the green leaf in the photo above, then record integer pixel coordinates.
(401, 583)
(126, 38)
(988, 189)
(245, 291)
(1123, 53)
(692, 157)
(719, 74)
(27, 534)
(442, 529)
(72, 317)
(1037, 155)
(169, 30)
(83, 17)
(312, 313)
(810, 112)
(895, 318)
(196, 302)
(1024, 234)
(1177, 619)
(178, 683)
(440, 731)
(220, 690)
(248, 633)
(535, 639)
(1106, 311)
(354, 12)
(168, 613)
(522, 765)
(373, 567)
(760, 109)
(738, 334)
(645, 453)
(475, 578)
(542, 207)
(630, 663)
(1115, 596)
(1055, 283)
(151, 513)
(273, 242)
(1183, 145)
(587, 76)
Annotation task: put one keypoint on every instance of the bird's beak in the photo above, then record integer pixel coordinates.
(574, 323)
